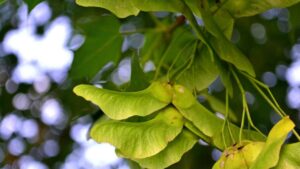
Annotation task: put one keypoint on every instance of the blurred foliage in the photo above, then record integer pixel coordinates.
(282, 31)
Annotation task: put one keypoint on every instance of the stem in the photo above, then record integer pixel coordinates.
(227, 115)
(224, 123)
(268, 90)
(190, 17)
(250, 120)
(245, 105)
(188, 66)
(274, 105)
(180, 20)
(168, 30)
(242, 125)
(267, 99)
(177, 58)
(223, 135)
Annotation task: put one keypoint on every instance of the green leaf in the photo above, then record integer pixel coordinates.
(179, 51)
(32, 3)
(154, 47)
(121, 105)
(222, 18)
(132, 164)
(230, 53)
(225, 22)
(138, 78)
(224, 48)
(123, 8)
(159, 5)
(2, 1)
(289, 157)
(178, 70)
(102, 45)
(189, 125)
(242, 8)
(206, 122)
(140, 140)
(120, 8)
(172, 154)
(269, 155)
(219, 106)
(201, 73)
(225, 76)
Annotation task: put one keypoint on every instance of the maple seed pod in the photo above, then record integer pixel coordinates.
(239, 156)
(122, 105)
(251, 151)
(161, 91)
(182, 97)
(138, 140)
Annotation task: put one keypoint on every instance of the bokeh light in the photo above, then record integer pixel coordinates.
(40, 54)
(52, 113)
(10, 124)
(16, 146)
(29, 128)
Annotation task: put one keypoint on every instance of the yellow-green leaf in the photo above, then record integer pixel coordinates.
(269, 155)
(189, 125)
(159, 5)
(262, 155)
(289, 157)
(121, 8)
